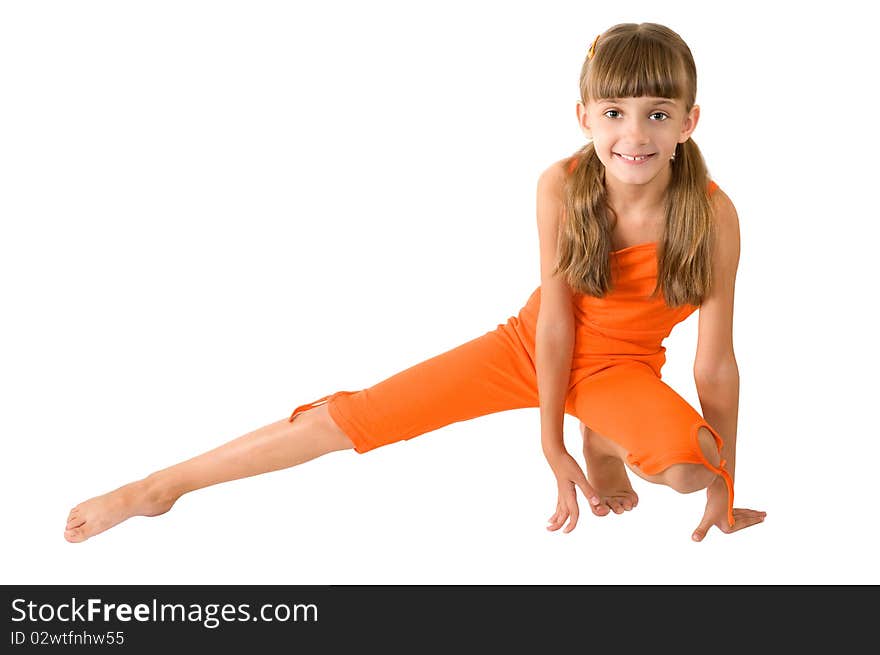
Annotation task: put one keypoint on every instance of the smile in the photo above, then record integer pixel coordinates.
(633, 160)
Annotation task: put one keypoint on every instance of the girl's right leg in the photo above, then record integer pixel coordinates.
(275, 446)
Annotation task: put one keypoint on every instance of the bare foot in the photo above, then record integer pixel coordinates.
(607, 473)
(140, 498)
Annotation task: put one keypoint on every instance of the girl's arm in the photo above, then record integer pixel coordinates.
(716, 374)
(555, 331)
(719, 400)
(554, 348)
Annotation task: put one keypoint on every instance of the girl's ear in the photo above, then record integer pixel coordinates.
(583, 120)
(690, 123)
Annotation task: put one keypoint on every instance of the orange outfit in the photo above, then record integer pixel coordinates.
(615, 385)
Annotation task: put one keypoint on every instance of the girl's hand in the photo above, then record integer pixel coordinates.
(716, 513)
(568, 475)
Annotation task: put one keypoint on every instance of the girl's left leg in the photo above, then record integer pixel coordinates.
(641, 421)
(605, 458)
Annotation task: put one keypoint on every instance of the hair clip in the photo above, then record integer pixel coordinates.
(593, 47)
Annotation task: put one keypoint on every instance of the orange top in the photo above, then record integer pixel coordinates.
(628, 322)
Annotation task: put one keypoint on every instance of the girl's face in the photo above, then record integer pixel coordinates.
(636, 126)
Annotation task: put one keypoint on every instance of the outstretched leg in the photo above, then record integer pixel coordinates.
(275, 446)
(488, 374)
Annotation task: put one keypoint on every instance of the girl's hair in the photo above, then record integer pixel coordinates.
(633, 60)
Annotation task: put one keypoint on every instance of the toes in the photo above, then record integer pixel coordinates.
(74, 523)
(76, 535)
(600, 510)
(616, 505)
(630, 500)
(75, 519)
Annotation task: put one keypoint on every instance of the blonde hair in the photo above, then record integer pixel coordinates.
(633, 60)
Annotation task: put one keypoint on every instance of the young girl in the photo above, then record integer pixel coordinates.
(633, 237)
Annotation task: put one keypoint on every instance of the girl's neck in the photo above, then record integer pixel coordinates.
(639, 204)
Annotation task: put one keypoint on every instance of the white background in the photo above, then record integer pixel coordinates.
(213, 212)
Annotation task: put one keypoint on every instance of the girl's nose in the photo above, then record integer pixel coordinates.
(636, 134)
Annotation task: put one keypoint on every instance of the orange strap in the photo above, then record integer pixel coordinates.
(727, 480)
(303, 408)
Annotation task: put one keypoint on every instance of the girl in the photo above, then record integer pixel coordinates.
(633, 238)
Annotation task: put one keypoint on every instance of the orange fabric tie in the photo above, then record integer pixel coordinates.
(302, 408)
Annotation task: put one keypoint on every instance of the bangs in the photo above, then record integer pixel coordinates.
(633, 66)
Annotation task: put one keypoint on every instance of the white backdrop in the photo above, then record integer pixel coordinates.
(213, 212)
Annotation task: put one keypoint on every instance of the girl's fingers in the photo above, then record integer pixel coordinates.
(589, 493)
(704, 527)
(560, 521)
(745, 523)
(573, 509)
(559, 510)
(749, 515)
(742, 511)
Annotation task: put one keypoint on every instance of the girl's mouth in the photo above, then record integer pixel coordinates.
(636, 162)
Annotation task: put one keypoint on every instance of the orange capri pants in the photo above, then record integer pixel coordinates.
(615, 386)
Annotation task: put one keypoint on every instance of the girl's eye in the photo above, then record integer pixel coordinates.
(656, 113)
